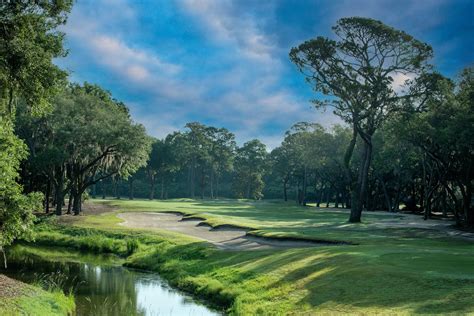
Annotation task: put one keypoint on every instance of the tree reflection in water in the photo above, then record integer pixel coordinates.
(101, 288)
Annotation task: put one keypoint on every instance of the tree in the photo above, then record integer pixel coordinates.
(16, 218)
(90, 137)
(304, 152)
(29, 40)
(443, 130)
(221, 151)
(360, 71)
(198, 147)
(250, 164)
(282, 168)
(161, 164)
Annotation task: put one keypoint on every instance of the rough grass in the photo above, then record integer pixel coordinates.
(32, 300)
(390, 271)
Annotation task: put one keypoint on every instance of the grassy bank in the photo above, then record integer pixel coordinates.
(390, 270)
(17, 298)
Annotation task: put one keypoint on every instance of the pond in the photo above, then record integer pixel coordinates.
(101, 286)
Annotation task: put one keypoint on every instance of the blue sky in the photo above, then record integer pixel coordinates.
(225, 63)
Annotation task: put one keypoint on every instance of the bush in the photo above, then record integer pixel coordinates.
(132, 245)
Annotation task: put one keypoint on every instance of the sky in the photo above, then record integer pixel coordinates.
(225, 63)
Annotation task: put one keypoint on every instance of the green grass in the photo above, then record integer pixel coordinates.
(35, 301)
(389, 271)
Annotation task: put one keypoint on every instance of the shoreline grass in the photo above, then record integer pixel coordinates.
(33, 299)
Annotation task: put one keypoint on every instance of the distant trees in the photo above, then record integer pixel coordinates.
(250, 165)
(312, 157)
(443, 132)
(161, 165)
(360, 70)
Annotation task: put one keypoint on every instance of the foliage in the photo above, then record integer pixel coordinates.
(16, 218)
(87, 137)
(29, 40)
(250, 165)
(443, 131)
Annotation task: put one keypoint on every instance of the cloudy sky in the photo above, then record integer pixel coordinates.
(225, 63)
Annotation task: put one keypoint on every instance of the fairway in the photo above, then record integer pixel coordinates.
(390, 270)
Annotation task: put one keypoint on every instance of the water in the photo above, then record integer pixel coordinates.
(99, 285)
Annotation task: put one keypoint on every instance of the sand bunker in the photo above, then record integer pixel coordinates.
(231, 238)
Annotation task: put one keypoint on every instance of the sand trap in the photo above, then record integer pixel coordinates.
(231, 238)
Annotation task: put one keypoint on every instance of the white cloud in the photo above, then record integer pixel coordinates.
(400, 80)
(117, 54)
(224, 24)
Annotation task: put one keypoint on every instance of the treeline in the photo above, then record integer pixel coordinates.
(422, 162)
(199, 162)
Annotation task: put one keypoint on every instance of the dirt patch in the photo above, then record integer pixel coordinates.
(438, 226)
(10, 287)
(224, 237)
(88, 208)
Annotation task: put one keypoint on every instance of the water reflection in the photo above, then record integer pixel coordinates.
(104, 289)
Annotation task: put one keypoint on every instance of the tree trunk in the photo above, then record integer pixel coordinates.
(152, 187)
(130, 189)
(102, 184)
(10, 102)
(321, 191)
(2, 250)
(162, 193)
(217, 185)
(359, 194)
(305, 180)
(117, 189)
(47, 196)
(347, 199)
(59, 196)
(328, 196)
(202, 184)
(347, 168)
(285, 193)
(70, 201)
(77, 205)
(466, 191)
(192, 178)
(385, 194)
(212, 184)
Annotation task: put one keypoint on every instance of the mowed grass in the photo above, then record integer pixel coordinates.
(388, 271)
